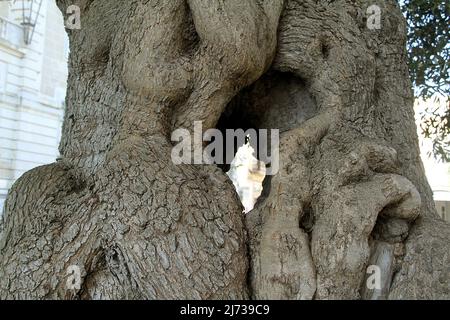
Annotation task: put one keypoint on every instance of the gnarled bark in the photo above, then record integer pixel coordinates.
(138, 226)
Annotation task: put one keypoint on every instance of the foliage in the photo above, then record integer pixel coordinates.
(429, 53)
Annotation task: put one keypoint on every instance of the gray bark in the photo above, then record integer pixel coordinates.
(141, 227)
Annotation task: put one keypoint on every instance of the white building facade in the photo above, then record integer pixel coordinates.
(438, 173)
(33, 77)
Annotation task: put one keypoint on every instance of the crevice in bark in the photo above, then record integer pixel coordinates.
(77, 184)
(98, 265)
(232, 119)
(265, 192)
(190, 34)
(325, 49)
(308, 219)
(278, 100)
(389, 234)
(101, 55)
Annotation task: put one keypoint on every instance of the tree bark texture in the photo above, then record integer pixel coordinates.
(351, 190)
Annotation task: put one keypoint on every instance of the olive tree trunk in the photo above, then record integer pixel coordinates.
(350, 194)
